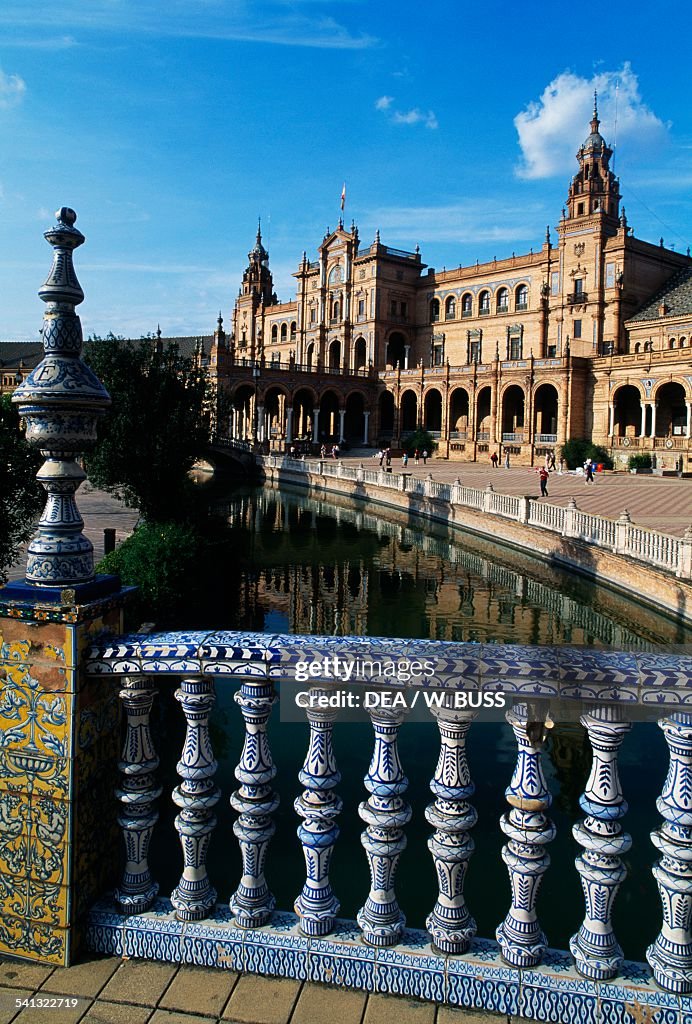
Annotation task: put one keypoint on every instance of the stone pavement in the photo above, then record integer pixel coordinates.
(115, 991)
(661, 503)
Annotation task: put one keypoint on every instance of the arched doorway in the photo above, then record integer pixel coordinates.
(354, 419)
(409, 412)
(303, 415)
(671, 411)
(545, 406)
(335, 355)
(627, 412)
(513, 413)
(329, 417)
(274, 427)
(396, 351)
(360, 354)
(242, 413)
(459, 413)
(386, 411)
(483, 415)
(432, 412)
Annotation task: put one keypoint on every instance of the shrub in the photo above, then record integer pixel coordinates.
(641, 461)
(160, 559)
(421, 440)
(578, 450)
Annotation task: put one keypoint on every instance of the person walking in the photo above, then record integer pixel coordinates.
(404, 460)
(494, 460)
(506, 460)
(381, 457)
(588, 472)
(416, 456)
(425, 456)
(543, 477)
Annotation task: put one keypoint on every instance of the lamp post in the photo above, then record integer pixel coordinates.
(255, 378)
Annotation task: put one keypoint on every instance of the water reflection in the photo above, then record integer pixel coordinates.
(317, 566)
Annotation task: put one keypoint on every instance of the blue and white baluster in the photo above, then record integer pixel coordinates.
(255, 800)
(194, 896)
(528, 829)
(450, 924)
(138, 794)
(595, 949)
(385, 813)
(670, 956)
(318, 806)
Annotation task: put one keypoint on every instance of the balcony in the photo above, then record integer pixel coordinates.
(545, 438)
(513, 437)
(577, 298)
(466, 313)
(484, 311)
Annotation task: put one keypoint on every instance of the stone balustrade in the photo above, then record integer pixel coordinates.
(622, 537)
(517, 972)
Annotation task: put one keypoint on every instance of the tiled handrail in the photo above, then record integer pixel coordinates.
(673, 554)
(517, 974)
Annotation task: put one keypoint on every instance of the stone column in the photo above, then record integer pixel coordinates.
(688, 406)
(611, 419)
(653, 419)
(407, 352)
(315, 425)
(260, 423)
(342, 413)
(289, 425)
(366, 417)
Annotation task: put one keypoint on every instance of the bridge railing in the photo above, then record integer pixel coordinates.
(622, 536)
(531, 687)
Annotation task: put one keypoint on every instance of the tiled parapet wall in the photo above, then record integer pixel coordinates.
(59, 733)
(515, 972)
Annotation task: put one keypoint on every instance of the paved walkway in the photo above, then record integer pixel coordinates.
(114, 991)
(661, 503)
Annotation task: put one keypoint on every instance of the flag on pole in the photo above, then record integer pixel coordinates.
(343, 197)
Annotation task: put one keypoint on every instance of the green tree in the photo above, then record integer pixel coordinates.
(21, 496)
(577, 450)
(155, 429)
(420, 439)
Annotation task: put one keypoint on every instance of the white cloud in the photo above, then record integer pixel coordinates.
(276, 22)
(12, 89)
(413, 116)
(550, 129)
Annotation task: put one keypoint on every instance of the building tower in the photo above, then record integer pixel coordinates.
(256, 292)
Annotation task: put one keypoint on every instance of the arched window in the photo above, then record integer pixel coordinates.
(503, 300)
(682, 342)
(284, 332)
(275, 334)
(336, 306)
(637, 347)
(450, 308)
(467, 304)
(293, 329)
(521, 297)
(435, 310)
(671, 343)
(484, 303)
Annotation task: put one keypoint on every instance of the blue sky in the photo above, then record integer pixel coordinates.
(171, 126)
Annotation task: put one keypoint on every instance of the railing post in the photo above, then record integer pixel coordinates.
(255, 800)
(385, 812)
(569, 529)
(684, 569)
(359, 474)
(318, 806)
(528, 829)
(455, 492)
(194, 896)
(595, 948)
(137, 793)
(450, 924)
(622, 532)
(670, 956)
(488, 499)
(524, 509)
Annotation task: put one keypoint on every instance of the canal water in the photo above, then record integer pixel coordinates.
(292, 564)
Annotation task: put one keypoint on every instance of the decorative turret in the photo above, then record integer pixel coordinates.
(594, 189)
(257, 279)
(60, 402)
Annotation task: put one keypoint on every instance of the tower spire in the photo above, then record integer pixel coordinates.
(259, 231)
(594, 120)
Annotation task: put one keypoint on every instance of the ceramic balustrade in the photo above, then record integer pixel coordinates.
(450, 924)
